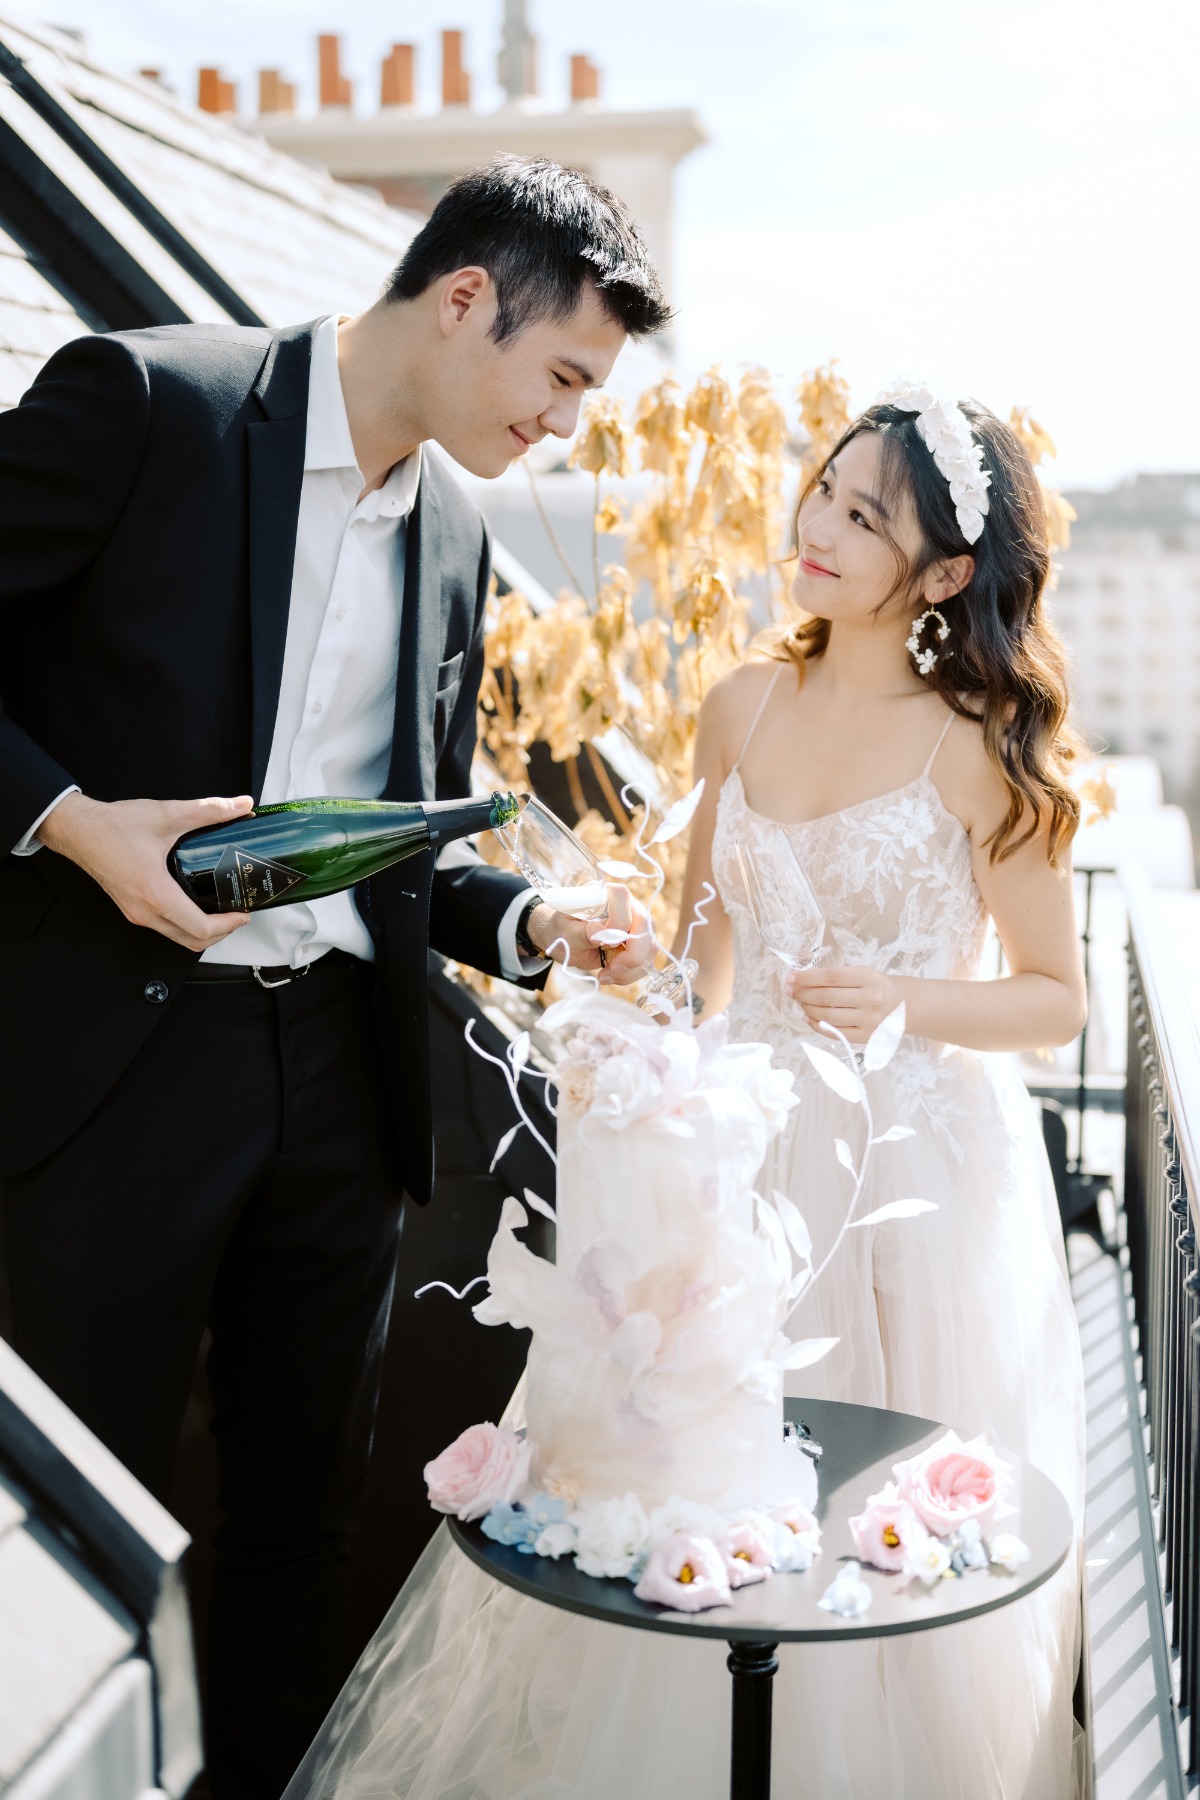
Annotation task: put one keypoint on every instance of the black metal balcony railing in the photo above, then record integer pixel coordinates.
(1162, 1206)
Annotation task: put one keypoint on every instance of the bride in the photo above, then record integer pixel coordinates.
(908, 738)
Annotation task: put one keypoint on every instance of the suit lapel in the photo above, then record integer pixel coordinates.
(413, 771)
(275, 460)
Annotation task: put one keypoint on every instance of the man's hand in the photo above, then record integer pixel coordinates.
(123, 845)
(571, 941)
(855, 1000)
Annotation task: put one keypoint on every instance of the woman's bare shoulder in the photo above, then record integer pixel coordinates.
(733, 700)
(967, 777)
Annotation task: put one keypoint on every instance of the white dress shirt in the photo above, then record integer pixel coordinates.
(337, 694)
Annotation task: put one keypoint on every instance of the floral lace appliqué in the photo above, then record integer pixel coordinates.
(895, 883)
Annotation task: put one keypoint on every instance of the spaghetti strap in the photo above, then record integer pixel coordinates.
(754, 723)
(941, 740)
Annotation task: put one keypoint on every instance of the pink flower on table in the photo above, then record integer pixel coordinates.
(486, 1464)
(749, 1550)
(886, 1530)
(952, 1482)
(686, 1573)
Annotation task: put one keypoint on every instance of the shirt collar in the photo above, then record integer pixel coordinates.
(327, 440)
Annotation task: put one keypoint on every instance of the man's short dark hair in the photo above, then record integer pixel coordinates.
(541, 232)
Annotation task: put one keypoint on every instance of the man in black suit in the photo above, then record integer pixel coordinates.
(227, 567)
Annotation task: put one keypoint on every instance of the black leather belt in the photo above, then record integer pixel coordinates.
(227, 974)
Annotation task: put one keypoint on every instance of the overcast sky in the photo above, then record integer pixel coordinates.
(1003, 195)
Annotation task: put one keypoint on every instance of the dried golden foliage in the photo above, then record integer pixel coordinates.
(1100, 794)
(824, 400)
(603, 445)
(1060, 514)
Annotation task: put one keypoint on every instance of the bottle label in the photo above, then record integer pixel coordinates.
(245, 882)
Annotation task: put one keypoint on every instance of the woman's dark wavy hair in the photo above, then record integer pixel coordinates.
(1004, 665)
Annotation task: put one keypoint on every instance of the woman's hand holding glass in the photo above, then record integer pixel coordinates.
(854, 1000)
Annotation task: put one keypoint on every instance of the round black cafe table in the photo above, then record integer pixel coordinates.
(859, 1445)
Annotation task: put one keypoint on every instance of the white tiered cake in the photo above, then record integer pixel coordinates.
(654, 1365)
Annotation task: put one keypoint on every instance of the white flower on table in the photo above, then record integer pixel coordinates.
(614, 1536)
(1008, 1552)
(928, 1561)
(558, 1539)
(848, 1594)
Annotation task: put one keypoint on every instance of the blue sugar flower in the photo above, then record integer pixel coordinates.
(512, 1525)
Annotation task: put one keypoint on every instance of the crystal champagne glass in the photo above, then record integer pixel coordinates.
(786, 911)
(555, 862)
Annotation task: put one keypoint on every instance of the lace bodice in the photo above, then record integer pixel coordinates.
(894, 879)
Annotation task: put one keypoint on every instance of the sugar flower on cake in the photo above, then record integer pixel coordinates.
(686, 1572)
(485, 1465)
(887, 1530)
(952, 1482)
(748, 1546)
(614, 1536)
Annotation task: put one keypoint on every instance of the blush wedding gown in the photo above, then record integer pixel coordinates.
(470, 1691)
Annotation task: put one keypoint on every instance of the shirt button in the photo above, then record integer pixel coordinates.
(340, 613)
(156, 992)
(316, 706)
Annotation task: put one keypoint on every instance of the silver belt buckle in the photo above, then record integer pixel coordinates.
(284, 980)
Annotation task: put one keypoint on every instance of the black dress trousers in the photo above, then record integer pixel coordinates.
(239, 1175)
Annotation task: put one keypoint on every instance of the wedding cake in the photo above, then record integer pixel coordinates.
(654, 1387)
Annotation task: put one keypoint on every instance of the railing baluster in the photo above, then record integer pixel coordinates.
(1162, 1172)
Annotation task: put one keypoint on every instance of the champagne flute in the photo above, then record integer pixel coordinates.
(555, 862)
(785, 909)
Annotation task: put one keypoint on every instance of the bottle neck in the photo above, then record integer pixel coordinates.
(449, 819)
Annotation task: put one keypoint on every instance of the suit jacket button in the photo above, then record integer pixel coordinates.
(156, 992)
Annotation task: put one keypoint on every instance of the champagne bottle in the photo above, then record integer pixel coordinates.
(304, 849)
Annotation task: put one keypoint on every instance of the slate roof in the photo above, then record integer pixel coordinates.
(169, 213)
(36, 319)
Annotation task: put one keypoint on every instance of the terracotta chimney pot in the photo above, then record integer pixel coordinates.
(275, 95)
(398, 76)
(456, 83)
(333, 87)
(585, 80)
(214, 95)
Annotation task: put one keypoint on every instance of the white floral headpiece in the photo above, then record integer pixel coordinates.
(946, 432)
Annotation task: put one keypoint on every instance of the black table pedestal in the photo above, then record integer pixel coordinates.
(752, 1667)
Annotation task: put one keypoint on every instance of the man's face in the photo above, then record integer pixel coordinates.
(492, 401)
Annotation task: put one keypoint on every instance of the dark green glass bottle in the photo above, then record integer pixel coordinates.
(303, 849)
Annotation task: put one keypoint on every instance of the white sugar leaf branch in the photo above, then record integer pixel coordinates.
(834, 1074)
(895, 1209)
(519, 1053)
(504, 1143)
(608, 936)
(884, 1041)
(844, 1154)
(540, 1206)
(793, 1223)
(679, 816)
(893, 1134)
(622, 871)
(807, 1352)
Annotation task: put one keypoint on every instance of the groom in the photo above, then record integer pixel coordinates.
(229, 566)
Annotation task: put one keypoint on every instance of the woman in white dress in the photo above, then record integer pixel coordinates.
(921, 792)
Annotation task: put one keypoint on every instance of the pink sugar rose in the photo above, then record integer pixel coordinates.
(886, 1530)
(952, 1482)
(685, 1572)
(748, 1548)
(487, 1464)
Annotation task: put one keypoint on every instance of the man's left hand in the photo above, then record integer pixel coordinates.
(570, 941)
(855, 1000)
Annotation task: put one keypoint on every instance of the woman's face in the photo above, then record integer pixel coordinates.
(846, 569)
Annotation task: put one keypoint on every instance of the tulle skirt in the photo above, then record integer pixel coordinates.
(472, 1692)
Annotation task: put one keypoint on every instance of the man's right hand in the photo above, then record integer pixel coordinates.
(123, 845)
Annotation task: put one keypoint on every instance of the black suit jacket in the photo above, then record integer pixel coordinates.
(149, 495)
